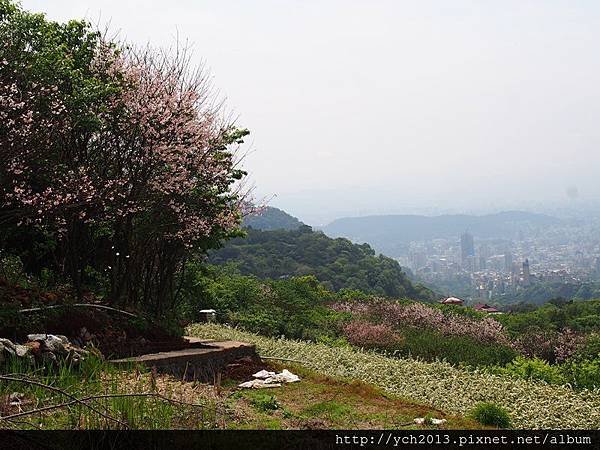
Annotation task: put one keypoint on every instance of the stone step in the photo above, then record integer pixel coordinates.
(202, 362)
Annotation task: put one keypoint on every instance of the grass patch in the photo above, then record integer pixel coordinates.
(330, 409)
(324, 402)
(108, 393)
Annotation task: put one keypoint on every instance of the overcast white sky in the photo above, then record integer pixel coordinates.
(377, 106)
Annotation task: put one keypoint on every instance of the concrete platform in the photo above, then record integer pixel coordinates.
(204, 361)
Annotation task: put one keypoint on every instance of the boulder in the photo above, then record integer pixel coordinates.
(36, 337)
(8, 348)
(54, 344)
(7, 343)
(22, 350)
(64, 339)
(35, 346)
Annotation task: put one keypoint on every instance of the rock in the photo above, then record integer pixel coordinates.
(433, 421)
(54, 344)
(35, 346)
(264, 374)
(8, 348)
(271, 377)
(22, 350)
(63, 338)
(265, 379)
(47, 347)
(37, 337)
(15, 398)
(7, 343)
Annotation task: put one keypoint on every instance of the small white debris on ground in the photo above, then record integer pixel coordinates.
(422, 421)
(265, 379)
(259, 384)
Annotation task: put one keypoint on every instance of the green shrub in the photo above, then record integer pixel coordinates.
(431, 345)
(584, 373)
(295, 307)
(490, 414)
(264, 402)
(533, 369)
(591, 349)
(582, 370)
(11, 269)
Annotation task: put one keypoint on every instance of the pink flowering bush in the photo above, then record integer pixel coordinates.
(119, 160)
(368, 335)
(419, 315)
(550, 346)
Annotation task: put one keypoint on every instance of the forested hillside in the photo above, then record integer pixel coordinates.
(337, 263)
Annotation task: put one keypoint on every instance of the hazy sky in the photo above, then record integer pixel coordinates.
(360, 107)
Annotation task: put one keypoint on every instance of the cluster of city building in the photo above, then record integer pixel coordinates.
(493, 268)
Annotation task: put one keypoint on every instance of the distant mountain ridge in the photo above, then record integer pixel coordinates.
(385, 233)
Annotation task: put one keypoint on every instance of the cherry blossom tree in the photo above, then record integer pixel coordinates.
(122, 158)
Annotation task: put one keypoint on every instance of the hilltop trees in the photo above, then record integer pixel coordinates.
(115, 164)
(337, 263)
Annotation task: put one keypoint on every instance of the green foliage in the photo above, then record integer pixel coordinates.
(532, 369)
(330, 409)
(11, 270)
(581, 316)
(264, 402)
(583, 373)
(583, 369)
(294, 307)
(96, 377)
(591, 349)
(337, 263)
(492, 415)
(541, 293)
(465, 350)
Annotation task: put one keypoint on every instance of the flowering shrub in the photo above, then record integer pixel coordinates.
(548, 345)
(368, 335)
(419, 315)
(567, 344)
(536, 344)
